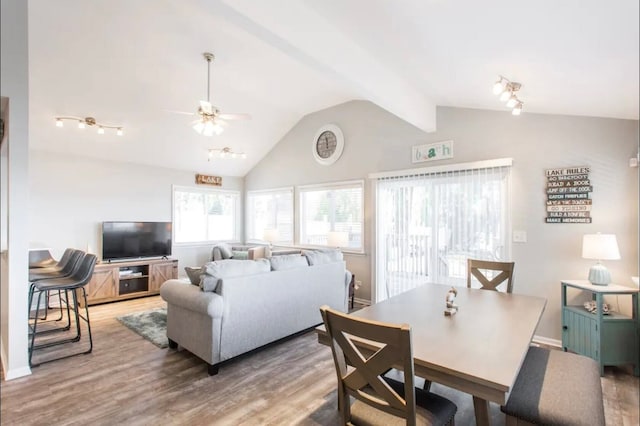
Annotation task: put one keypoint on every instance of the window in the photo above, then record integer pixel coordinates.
(270, 209)
(335, 207)
(203, 215)
(429, 223)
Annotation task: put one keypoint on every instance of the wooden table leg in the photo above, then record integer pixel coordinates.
(481, 407)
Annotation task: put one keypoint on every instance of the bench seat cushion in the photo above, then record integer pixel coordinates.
(557, 388)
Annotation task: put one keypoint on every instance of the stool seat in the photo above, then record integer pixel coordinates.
(556, 388)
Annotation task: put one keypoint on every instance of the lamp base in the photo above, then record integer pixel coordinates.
(599, 275)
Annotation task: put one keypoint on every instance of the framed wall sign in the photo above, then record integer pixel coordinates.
(432, 152)
(208, 180)
(568, 195)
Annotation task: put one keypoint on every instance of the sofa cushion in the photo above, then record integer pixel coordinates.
(215, 271)
(288, 261)
(194, 274)
(319, 257)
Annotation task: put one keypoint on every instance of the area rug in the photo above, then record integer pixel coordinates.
(152, 325)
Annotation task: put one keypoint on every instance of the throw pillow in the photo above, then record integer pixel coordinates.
(225, 250)
(288, 261)
(239, 254)
(194, 274)
(215, 271)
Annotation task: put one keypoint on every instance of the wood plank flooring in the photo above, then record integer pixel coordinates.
(128, 380)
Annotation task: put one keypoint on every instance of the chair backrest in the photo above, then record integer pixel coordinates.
(85, 271)
(65, 257)
(364, 381)
(74, 260)
(475, 268)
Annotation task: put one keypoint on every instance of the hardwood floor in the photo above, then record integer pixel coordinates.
(128, 380)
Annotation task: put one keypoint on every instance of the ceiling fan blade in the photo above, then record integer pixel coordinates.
(179, 112)
(235, 116)
(206, 107)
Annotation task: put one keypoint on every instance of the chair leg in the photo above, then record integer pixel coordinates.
(74, 339)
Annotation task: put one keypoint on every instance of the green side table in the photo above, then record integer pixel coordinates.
(611, 339)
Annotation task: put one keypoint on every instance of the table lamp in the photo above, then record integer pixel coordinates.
(600, 247)
(271, 236)
(337, 239)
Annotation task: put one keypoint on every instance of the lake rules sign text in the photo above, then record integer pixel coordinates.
(568, 195)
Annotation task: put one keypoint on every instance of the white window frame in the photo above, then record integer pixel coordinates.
(274, 191)
(327, 187)
(203, 190)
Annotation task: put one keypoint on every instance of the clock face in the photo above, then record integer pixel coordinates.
(326, 144)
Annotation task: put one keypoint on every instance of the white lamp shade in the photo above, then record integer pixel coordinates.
(600, 247)
(271, 235)
(337, 239)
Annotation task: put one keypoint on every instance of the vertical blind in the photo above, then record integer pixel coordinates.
(271, 209)
(428, 224)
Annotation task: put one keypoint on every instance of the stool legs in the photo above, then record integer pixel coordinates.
(73, 306)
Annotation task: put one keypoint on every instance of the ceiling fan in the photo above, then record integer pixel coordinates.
(211, 121)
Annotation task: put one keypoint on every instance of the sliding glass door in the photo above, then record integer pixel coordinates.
(429, 223)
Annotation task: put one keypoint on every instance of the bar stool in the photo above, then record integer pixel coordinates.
(65, 267)
(73, 283)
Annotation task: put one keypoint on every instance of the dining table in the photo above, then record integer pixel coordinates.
(478, 350)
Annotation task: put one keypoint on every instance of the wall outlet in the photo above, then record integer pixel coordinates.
(519, 236)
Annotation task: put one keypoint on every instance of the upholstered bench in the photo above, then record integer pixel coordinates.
(556, 388)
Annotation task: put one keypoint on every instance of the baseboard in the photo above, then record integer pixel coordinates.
(11, 374)
(547, 341)
(362, 301)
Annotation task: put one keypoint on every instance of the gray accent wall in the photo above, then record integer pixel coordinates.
(376, 141)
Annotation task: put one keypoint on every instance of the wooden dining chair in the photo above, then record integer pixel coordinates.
(475, 268)
(379, 400)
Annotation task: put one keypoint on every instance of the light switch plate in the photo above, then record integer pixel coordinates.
(519, 236)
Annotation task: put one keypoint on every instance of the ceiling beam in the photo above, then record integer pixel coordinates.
(296, 29)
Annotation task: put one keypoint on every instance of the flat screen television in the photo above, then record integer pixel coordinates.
(131, 240)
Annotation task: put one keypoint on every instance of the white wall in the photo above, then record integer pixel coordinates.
(72, 196)
(376, 140)
(14, 83)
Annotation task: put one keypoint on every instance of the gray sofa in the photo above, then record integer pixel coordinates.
(248, 305)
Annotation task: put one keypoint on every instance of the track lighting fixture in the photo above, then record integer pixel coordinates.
(89, 121)
(507, 91)
(225, 152)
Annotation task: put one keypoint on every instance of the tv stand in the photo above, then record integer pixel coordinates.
(129, 279)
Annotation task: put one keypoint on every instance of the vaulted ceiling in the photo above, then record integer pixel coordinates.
(135, 62)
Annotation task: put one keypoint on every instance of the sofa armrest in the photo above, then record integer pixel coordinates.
(257, 252)
(188, 296)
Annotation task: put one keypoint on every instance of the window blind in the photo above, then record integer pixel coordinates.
(429, 223)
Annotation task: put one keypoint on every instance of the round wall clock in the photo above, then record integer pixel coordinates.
(328, 144)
